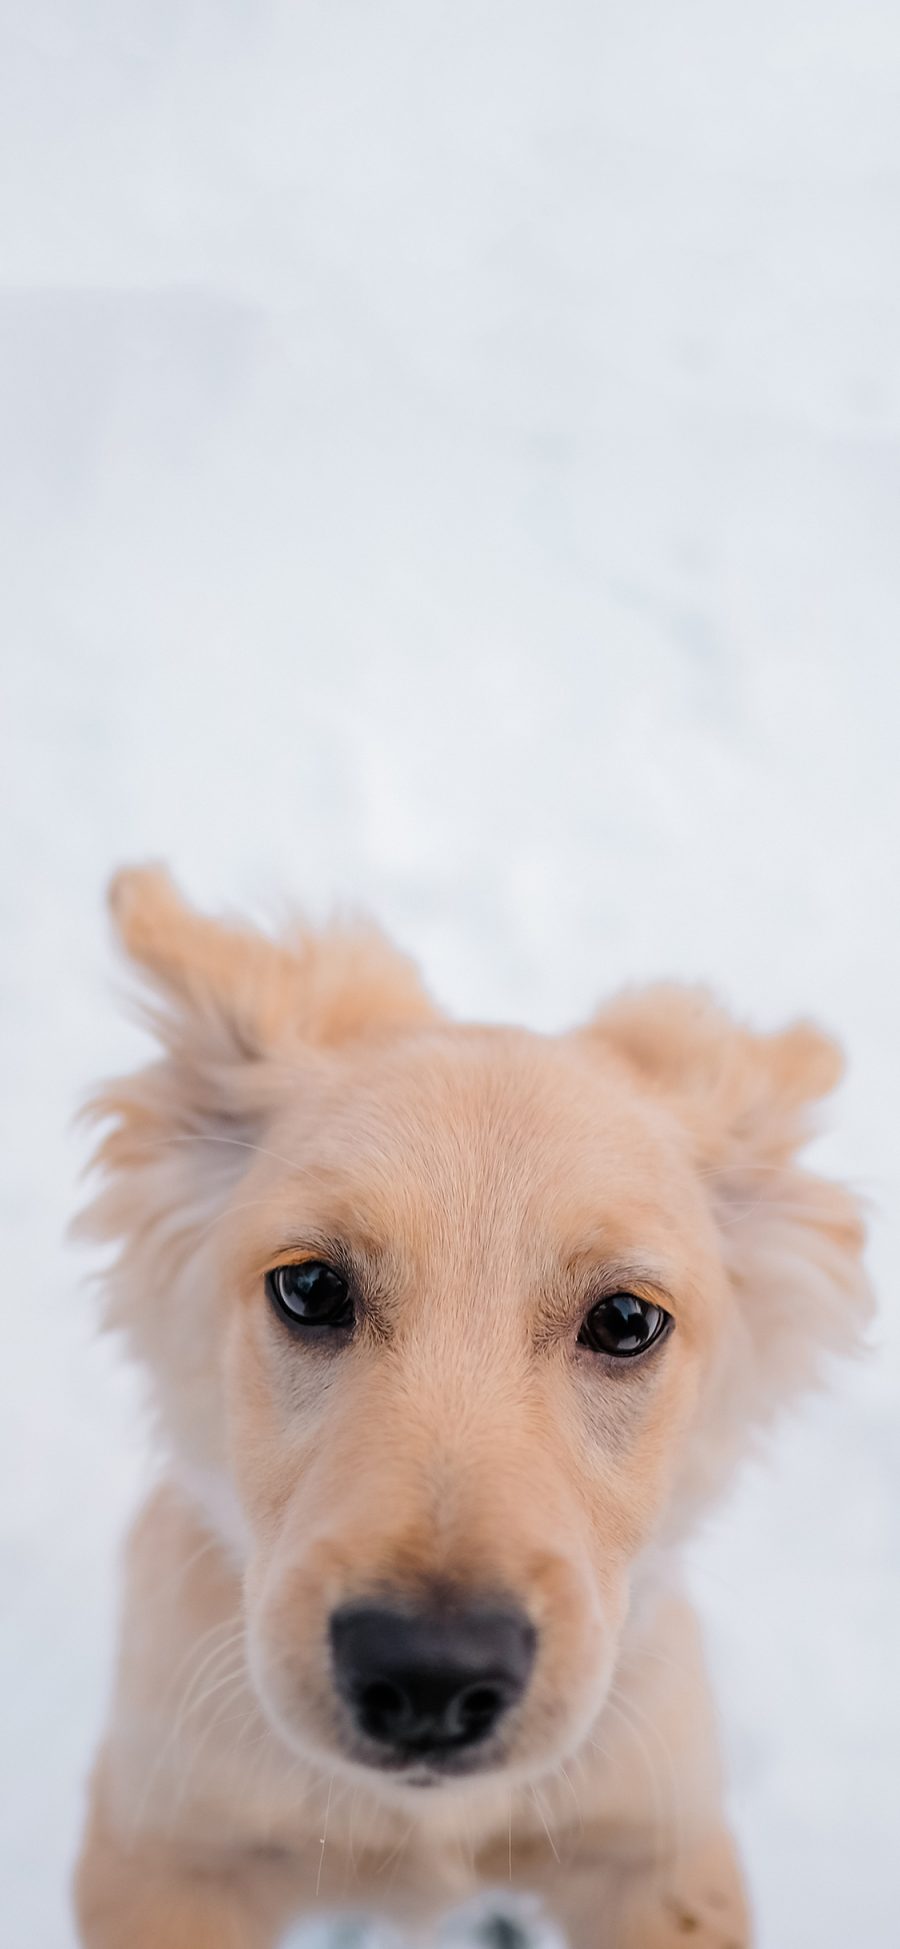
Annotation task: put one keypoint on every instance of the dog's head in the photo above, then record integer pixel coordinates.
(450, 1326)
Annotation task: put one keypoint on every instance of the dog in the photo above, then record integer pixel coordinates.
(452, 1333)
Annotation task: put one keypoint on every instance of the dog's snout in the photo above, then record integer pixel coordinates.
(430, 1682)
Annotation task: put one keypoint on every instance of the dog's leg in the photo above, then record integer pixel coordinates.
(151, 1896)
(698, 1904)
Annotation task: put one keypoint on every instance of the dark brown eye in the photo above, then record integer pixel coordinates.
(311, 1294)
(623, 1325)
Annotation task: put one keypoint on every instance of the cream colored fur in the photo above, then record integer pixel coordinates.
(488, 1177)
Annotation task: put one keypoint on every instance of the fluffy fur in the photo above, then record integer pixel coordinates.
(490, 1181)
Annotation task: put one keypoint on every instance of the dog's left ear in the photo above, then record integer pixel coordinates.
(791, 1240)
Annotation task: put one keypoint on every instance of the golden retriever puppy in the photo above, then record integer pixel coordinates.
(451, 1333)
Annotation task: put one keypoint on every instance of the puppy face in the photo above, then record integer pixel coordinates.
(462, 1435)
(468, 1318)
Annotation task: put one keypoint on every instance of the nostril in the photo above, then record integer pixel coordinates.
(382, 1697)
(384, 1710)
(477, 1708)
(482, 1701)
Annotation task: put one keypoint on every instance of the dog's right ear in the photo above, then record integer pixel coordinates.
(239, 1016)
(244, 1022)
(255, 997)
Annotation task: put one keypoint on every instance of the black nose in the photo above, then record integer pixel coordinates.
(430, 1681)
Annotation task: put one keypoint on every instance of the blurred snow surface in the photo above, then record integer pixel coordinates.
(449, 462)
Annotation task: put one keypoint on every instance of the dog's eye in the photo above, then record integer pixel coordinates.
(623, 1325)
(310, 1294)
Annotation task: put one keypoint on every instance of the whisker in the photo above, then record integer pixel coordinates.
(324, 1837)
(394, 1856)
(537, 1802)
(173, 1736)
(569, 1783)
(619, 1704)
(218, 1651)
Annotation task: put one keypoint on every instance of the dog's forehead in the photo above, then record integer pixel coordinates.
(503, 1122)
(507, 1094)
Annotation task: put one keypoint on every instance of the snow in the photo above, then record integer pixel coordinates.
(450, 463)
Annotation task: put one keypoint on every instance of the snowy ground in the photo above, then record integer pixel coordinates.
(449, 459)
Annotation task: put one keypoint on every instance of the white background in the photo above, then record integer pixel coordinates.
(449, 462)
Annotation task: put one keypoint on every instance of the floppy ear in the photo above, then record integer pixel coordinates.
(258, 995)
(242, 1020)
(238, 1015)
(791, 1241)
